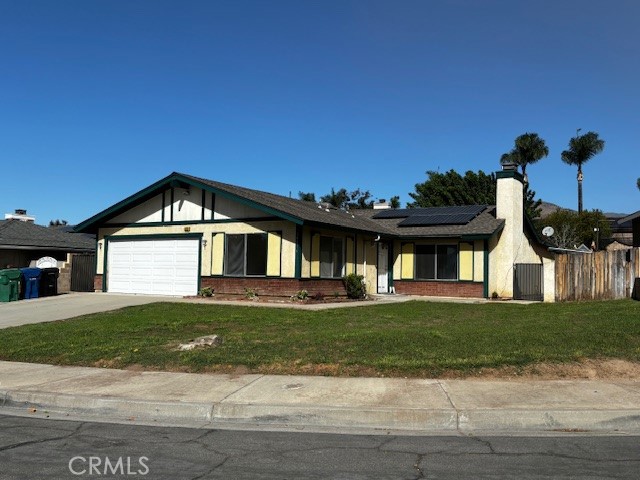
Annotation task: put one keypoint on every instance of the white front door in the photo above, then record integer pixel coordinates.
(154, 267)
(383, 268)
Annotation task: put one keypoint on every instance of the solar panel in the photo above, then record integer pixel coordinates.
(394, 213)
(437, 219)
(410, 212)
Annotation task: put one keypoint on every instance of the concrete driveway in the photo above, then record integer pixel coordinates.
(71, 305)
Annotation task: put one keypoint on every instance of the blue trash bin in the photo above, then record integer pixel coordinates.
(31, 282)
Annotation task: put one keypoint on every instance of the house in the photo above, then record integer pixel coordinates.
(184, 233)
(634, 221)
(24, 244)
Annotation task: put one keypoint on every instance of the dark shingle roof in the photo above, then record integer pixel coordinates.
(307, 211)
(303, 212)
(19, 234)
(485, 224)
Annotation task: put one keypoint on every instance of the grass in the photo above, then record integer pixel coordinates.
(410, 339)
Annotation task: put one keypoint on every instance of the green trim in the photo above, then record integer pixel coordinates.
(486, 269)
(390, 264)
(298, 264)
(104, 265)
(189, 222)
(173, 180)
(109, 238)
(152, 236)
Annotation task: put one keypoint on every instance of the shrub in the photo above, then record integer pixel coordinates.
(300, 295)
(206, 292)
(250, 293)
(355, 286)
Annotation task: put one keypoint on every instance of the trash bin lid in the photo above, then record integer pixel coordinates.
(31, 272)
(50, 270)
(10, 273)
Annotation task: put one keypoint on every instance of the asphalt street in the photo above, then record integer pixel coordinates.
(54, 449)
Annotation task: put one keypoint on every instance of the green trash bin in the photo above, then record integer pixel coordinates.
(9, 285)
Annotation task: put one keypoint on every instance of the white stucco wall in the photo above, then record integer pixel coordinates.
(512, 245)
(226, 208)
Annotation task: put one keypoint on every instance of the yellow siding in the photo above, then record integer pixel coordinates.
(407, 260)
(217, 254)
(315, 255)
(274, 247)
(466, 261)
(351, 266)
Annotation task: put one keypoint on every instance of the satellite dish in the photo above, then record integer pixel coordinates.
(548, 231)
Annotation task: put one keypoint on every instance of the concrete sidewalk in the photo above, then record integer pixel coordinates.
(319, 403)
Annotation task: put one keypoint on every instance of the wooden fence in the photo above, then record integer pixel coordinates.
(597, 276)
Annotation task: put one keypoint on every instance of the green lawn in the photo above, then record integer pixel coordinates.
(410, 339)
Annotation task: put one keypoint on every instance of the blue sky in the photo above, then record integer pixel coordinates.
(99, 99)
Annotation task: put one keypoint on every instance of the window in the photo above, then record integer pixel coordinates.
(331, 257)
(246, 255)
(436, 262)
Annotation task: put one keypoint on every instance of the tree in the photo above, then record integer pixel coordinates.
(57, 223)
(307, 196)
(581, 149)
(451, 188)
(346, 200)
(638, 184)
(573, 228)
(395, 201)
(528, 148)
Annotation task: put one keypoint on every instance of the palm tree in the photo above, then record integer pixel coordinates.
(528, 148)
(581, 149)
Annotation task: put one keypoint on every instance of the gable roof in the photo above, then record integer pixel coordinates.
(304, 213)
(629, 218)
(16, 234)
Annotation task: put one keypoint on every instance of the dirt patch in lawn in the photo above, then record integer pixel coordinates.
(583, 370)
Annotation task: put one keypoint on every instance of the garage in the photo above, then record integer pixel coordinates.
(167, 266)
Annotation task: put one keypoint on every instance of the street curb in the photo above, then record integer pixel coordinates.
(109, 408)
(544, 420)
(230, 414)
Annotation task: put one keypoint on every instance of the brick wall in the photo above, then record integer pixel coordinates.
(277, 287)
(440, 289)
(286, 287)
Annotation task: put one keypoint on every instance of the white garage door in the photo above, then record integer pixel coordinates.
(154, 267)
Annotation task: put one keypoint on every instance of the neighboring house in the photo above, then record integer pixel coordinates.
(184, 233)
(634, 221)
(621, 231)
(23, 242)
